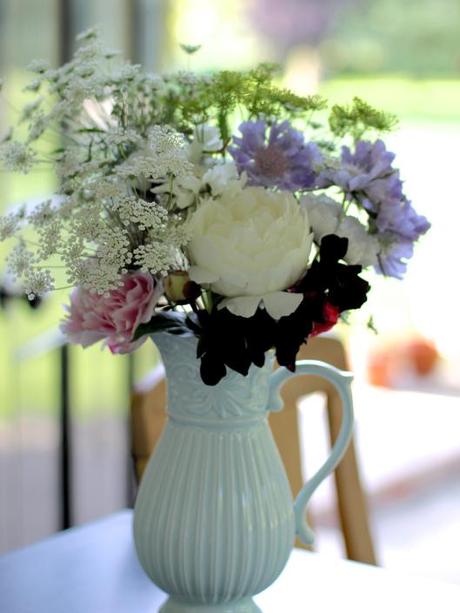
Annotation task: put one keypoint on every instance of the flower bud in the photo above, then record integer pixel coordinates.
(179, 288)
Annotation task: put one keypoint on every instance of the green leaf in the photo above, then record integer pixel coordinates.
(164, 321)
(371, 325)
(91, 131)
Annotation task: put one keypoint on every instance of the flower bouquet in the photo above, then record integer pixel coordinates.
(235, 218)
(220, 205)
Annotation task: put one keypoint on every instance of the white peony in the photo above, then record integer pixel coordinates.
(249, 248)
(325, 217)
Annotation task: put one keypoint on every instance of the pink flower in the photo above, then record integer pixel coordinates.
(112, 318)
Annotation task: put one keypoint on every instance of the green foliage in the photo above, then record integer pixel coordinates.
(359, 118)
(192, 99)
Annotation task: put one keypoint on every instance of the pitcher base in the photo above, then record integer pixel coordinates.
(246, 605)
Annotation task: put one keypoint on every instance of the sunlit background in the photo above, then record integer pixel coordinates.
(403, 57)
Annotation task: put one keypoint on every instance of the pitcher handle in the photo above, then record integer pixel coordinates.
(342, 381)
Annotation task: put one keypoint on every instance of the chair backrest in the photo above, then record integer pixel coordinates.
(148, 417)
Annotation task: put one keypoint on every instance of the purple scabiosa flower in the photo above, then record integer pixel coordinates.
(392, 260)
(399, 227)
(275, 156)
(401, 219)
(366, 175)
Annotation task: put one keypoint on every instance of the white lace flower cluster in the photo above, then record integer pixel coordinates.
(17, 157)
(128, 177)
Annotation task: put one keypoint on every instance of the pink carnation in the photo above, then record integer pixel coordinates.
(112, 318)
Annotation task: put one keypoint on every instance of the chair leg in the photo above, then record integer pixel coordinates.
(351, 500)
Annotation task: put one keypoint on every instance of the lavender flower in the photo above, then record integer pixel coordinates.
(392, 260)
(399, 228)
(280, 159)
(367, 175)
(402, 220)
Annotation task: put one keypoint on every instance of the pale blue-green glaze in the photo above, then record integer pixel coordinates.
(214, 520)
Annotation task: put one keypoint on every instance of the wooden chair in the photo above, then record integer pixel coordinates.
(148, 418)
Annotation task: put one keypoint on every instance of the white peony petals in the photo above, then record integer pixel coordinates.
(281, 304)
(243, 306)
(277, 304)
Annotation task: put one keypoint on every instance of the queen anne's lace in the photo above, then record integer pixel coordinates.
(10, 224)
(17, 157)
(115, 154)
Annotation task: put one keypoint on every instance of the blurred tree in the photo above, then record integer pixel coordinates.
(418, 37)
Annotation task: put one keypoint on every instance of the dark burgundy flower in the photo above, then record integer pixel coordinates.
(341, 283)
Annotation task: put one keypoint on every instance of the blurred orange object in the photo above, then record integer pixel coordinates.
(379, 369)
(394, 361)
(423, 355)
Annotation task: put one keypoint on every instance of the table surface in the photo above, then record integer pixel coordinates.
(93, 569)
